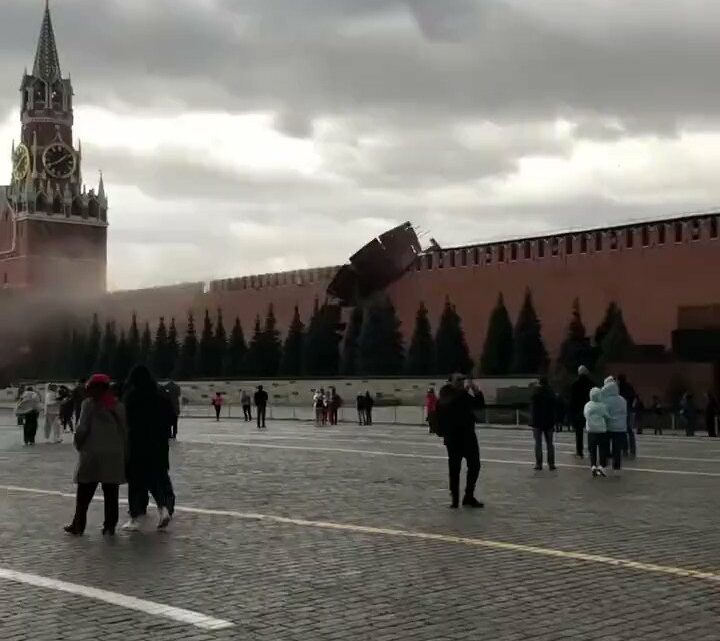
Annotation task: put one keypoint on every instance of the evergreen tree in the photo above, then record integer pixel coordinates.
(122, 361)
(496, 359)
(530, 355)
(617, 344)
(92, 346)
(173, 347)
(146, 346)
(421, 355)
(187, 362)
(272, 346)
(220, 346)
(292, 357)
(322, 343)
(206, 357)
(77, 354)
(62, 352)
(348, 361)
(451, 350)
(133, 339)
(161, 359)
(575, 349)
(254, 354)
(606, 323)
(237, 351)
(380, 346)
(108, 346)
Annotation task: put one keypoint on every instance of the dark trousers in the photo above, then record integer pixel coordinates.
(85, 493)
(333, 415)
(459, 448)
(261, 415)
(158, 485)
(368, 416)
(361, 416)
(630, 446)
(30, 425)
(174, 427)
(597, 447)
(547, 434)
(617, 443)
(218, 409)
(578, 423)
(247, 412)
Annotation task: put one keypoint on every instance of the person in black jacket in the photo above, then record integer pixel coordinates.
(579, 395)
(543, 414)
(261, 401)
(456, 417)
(149, 418)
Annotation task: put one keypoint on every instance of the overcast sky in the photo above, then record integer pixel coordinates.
(247, 136)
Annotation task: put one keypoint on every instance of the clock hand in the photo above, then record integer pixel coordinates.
(57, 162)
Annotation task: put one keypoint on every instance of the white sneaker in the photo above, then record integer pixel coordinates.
(601, 471)
(133, 525)
(164, 518)
(594, 470)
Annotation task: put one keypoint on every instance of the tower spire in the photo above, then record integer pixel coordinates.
(47, 61)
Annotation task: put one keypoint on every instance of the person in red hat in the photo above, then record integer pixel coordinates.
(101, 441)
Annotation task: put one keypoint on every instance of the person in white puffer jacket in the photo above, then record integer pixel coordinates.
(617, 422)
(596, 421)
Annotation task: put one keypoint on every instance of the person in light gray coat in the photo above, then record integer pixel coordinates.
(596, 421)
(617, 421)
(101, 441)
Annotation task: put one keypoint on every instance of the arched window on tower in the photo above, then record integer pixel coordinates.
(57, 204)
(77, 208)
(56, 97)
(93, 209)
(613, 240)
(39, 95)
(41, 203)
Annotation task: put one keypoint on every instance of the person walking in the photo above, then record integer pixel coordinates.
(174, 392)
(455, 418)
(149, 420)
(360, 401)
(334, 403)
(616, 423)
(627, 391)
(101, 442)
(217, 403)
(579, 396)
(689, 411)
(52, 414)
(711, 412)
(543, 414)
(67, 408)
(28, 411)
(319, 407)
(430, 407)
(261, 401)
(78, 395)
(369, 404)
(246, 403)
(596, 417)
(657, 412)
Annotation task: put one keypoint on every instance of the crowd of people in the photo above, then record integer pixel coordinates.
(260, 398)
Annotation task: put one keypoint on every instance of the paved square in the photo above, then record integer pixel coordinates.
(344, 533)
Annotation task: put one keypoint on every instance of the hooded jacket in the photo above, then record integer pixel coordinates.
(596, 413)
(29, 402)
(456, 412)
(616, 405)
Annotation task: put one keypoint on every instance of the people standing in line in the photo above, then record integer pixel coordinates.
(217, 403)
(616, 423)
(543, 415)
(67, 409)
(261, 401)
(689, 412)
(362, 417)
(430, 407)
(246, 403)
(657, 413)
(369, 403)
(28, 411)
(78, 395)
(334, 402)
(52, 414)
(149, 420)
(579, 396)
(455, 421)
(101, 441)
(711, 413)
(319, 407)
(627, 391)
(175, 394)
(596, 417)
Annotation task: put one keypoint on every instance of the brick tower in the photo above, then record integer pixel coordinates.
(53, 232)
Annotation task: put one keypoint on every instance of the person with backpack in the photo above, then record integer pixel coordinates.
(543, 414)
(454, 421)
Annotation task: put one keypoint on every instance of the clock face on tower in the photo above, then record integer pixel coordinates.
(59, 160)
(21, 162)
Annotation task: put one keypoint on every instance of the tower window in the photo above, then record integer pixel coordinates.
(598, 241)
(418, 264)
(661, 234)
(77, 208)
(488, 255)
(464, 258)
(428, 261)
(645, 234)
(541, 248)
(527, 249)
(568, 244)
(613, 240)
(629, 237)
(513, 251)
(678, 232)
(452, 258)
(441, 260)
(476, 255)
(713, 227)
(501, 254)
(695, 229)
(554, 247)
(93, 208)
(57, 205)
(583, 244)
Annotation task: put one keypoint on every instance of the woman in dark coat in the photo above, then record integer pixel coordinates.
(149, 419)
(101, 440)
